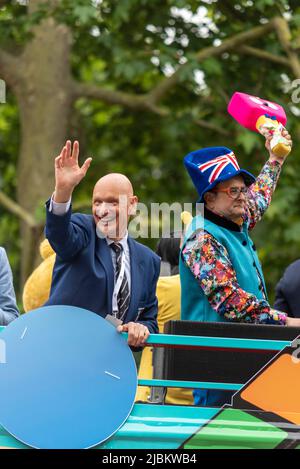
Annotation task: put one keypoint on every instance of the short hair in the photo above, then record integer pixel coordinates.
(168, 250)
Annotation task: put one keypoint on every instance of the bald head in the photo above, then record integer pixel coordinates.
(113, 203)
(115, 182)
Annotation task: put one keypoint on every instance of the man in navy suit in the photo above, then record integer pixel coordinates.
(8, 305)
(98, 266)
(287, 291)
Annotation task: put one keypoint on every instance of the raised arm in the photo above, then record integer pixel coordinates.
(66, 236)
(260, 193)
(68, 173)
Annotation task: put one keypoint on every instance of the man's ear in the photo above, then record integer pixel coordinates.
(133, 205)
(209, 198)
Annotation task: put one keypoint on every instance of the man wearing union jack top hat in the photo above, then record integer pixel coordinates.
(221, 276)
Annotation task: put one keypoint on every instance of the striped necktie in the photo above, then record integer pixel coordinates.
(123, 298)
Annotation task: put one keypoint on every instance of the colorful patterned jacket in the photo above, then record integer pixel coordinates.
(210, 264)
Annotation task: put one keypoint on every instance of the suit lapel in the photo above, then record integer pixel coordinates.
(136, 280)
(104, 255)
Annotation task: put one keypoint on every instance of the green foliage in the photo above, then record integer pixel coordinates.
(130, 45)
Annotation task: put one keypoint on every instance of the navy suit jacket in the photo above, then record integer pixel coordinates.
(287, 291)
(83, 273)
(8, 305)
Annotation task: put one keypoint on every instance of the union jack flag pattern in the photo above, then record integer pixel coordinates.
(218, 165)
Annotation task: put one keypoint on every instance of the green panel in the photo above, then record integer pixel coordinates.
(9, 441)
(148, 426)
(159, 427)
(235, 429)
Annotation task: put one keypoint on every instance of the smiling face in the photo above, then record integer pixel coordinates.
(113, 203)
(220, 202)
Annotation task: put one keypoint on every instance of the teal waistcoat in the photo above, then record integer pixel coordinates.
(194, 303)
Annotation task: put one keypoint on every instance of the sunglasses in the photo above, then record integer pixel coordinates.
(234, 192)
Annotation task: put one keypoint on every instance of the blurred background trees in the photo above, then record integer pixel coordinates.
(140, 83)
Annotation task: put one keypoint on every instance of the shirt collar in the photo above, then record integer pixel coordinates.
(122, 241)
(221, 221)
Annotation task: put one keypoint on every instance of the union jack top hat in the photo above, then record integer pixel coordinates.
(209, 166)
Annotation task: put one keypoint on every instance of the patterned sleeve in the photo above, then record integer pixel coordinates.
(261, 191)
(209, 262)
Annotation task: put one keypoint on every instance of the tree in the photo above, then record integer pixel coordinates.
(131, 68)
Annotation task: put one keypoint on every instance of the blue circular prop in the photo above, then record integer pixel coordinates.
(69, 380)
